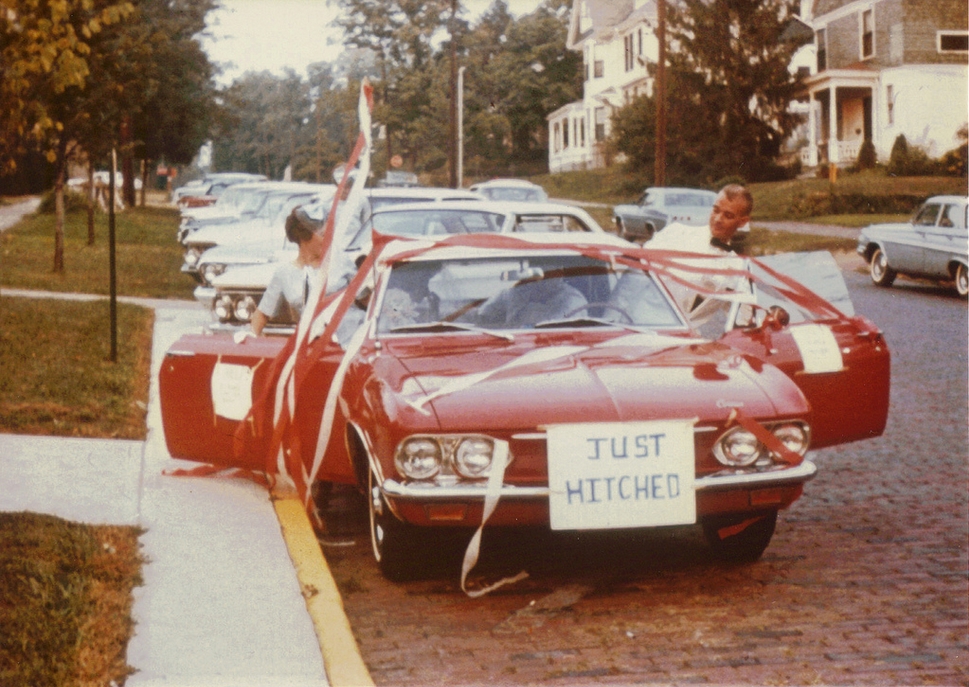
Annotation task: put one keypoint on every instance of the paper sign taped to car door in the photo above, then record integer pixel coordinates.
(818, 347)
(608, 475)
(231, 390)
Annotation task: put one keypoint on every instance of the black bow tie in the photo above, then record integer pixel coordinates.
(721, 244)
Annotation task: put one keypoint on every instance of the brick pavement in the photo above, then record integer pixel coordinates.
(865, 582)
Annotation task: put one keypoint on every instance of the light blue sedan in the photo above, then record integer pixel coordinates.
(934, 244)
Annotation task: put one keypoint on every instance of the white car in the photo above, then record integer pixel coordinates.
(934, 244)
(267, 223)
(516, 190)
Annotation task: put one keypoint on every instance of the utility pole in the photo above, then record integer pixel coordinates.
(659, 170)
(453, 138)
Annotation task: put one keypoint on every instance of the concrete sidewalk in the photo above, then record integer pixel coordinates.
(221, 603)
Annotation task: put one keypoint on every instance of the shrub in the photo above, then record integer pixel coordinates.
(73, 202)
(910, 161)
(867, 157)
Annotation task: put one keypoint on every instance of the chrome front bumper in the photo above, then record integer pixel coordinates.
(723, 480)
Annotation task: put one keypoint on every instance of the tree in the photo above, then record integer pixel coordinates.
(729, 65)
(46, 47)
(263, 120)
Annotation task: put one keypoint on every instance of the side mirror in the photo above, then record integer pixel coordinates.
(776, 318)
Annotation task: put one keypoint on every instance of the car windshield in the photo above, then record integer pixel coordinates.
(926, 216)
(424, 222)
(541, 291)
(514, 193)
(695, 200)
(549, 222)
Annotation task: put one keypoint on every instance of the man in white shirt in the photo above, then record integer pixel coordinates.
(731, 210)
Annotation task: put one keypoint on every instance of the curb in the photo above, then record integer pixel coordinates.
(342, 660)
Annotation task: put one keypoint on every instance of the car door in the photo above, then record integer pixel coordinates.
(946, 239)
(839, 360)
(912, 251)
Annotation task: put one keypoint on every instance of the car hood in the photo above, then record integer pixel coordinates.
(249, 277)
(248, 252)
(235, 232)
(630, 377)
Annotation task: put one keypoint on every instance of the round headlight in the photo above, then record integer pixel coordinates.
(244, 308)
(211, 270)
(192, 255)
(418, 458)
(737, 447)
(472, 459)
(793, 436)
(224, 307)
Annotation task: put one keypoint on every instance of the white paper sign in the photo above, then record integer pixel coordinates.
(621, 474)
(231, 390)
(818, 347)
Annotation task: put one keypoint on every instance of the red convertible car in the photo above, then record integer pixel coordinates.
(527, 381)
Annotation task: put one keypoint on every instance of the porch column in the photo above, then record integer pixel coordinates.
(833, 148)
(812, 131)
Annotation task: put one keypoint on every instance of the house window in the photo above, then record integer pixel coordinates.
(627, 43)
(600, 124)
(639, 33)
(890, 101)
(953, 41)
(556, 136)
(822, 47)
(867, 34)
(599, 69)
(565, 134)
(582, 133)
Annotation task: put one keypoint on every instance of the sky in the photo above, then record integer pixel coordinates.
(270, 35)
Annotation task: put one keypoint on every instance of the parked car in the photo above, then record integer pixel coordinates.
(561, 380)
(658, 207)
(238, 203)
(934, 244)
(399, 179)
(267, 222)
(212, 186)
(517, 190)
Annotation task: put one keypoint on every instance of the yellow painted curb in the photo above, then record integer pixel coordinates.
(341, 656)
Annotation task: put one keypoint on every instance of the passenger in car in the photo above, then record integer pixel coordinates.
(531, 301)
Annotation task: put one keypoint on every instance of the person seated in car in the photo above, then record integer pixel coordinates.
(530, 301)
(290, 285)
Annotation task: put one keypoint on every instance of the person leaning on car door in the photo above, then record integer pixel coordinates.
(289, 287)
(731, 210)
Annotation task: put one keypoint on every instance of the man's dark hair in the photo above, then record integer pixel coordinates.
(299, 226)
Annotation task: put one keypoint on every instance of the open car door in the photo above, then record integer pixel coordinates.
(839, 360)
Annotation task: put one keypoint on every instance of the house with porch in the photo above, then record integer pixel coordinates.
(884, 68)
(616, 40)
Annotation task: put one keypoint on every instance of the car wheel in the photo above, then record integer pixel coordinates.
(739, 538)
(881, 273)
(396, 545)
(962, 280)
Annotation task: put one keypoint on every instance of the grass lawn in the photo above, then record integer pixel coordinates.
(55, 375)
(148, 255)
(65, 601)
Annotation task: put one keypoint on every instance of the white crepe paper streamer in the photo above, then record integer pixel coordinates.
(497, 477)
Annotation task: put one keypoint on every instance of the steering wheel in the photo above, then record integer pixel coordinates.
(595, 304)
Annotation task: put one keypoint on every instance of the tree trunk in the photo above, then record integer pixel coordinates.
(90, 203)
(127, 163)
(144, 181)
(59, 222)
